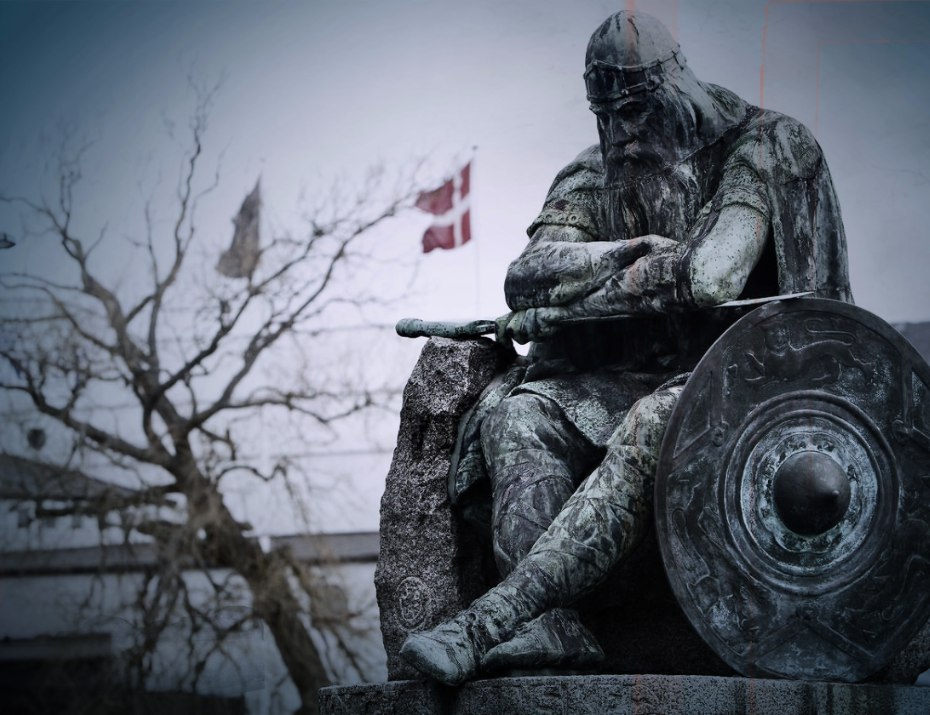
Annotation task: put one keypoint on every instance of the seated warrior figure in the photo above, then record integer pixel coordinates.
(692, 198)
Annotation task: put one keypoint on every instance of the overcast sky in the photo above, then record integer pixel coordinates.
(322, 89)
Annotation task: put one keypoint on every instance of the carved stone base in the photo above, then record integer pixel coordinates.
(623, 694)
(429, 567)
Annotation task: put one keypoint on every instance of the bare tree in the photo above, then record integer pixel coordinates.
(198, 356)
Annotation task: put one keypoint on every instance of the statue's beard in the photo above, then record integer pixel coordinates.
(649, 192)
(636, 158)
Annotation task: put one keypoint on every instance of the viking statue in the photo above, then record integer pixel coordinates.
(691, 198)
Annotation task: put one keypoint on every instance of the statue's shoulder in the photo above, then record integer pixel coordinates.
(776, 142)
(574, 197)
(583, 173)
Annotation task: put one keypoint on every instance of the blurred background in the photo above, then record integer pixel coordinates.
(133, 133)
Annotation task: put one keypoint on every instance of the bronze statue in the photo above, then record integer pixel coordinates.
(692, 198)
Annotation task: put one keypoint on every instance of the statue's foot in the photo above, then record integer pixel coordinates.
(446, 653)
(557, 638)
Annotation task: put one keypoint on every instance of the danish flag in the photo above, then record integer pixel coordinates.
(450, 205)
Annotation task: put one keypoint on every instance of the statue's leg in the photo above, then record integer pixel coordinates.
(606, 517)
(600, 524)
(536, 458)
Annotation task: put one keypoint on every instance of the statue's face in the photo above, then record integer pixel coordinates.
(622, 125)
(639, 133)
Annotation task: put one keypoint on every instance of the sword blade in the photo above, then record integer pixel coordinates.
(760, 301)
(416, 328)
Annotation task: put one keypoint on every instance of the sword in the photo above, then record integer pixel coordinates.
(416, 328)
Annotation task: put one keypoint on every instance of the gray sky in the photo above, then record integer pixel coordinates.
(324, 89)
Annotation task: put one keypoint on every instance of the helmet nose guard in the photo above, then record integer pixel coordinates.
(628, 54)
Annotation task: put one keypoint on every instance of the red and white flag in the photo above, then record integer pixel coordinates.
(450, 205)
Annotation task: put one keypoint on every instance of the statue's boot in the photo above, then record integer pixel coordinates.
(452, 651)
(557, 639)
(448, 653)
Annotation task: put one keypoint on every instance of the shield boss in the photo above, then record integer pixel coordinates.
(793, 493)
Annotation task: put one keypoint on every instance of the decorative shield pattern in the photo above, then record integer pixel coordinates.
(793, 493)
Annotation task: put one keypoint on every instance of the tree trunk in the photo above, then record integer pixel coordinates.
(280, 610)
(272, 599)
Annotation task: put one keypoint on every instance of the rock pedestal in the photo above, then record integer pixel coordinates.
(626, 695)
(429, 566)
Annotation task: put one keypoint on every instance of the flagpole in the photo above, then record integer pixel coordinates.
(477, 245)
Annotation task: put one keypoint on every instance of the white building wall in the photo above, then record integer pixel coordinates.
(248, 666)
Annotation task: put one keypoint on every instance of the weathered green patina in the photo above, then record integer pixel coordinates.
(692, 198)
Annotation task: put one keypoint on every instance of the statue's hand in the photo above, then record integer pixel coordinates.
(525, 326)
(650, 243)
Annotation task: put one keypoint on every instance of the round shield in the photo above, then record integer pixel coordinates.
(793, 493)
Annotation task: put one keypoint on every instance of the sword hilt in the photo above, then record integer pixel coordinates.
(416, 328)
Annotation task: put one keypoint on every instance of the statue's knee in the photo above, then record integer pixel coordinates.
(514, 416)
(645, 423)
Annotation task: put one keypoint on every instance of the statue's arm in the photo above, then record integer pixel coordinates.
(721, 262)
(710, 267)
(561, 265)
(566, 258)
(565, 272)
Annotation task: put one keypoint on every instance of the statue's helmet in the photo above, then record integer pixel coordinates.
(628, 54)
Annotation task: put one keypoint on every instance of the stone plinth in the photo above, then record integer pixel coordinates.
(626, 694)
(429, 567)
